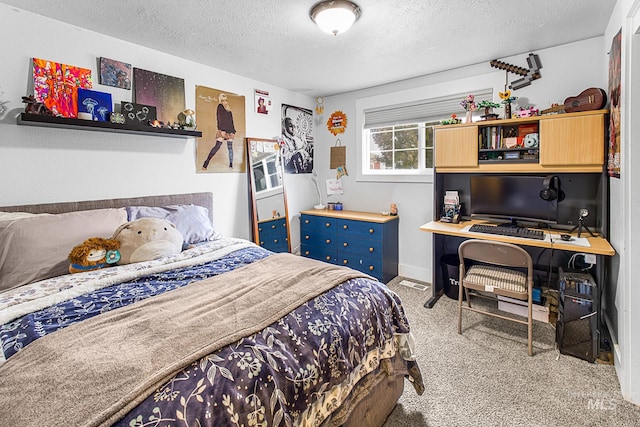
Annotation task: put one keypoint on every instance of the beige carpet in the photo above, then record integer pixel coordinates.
(484, 376)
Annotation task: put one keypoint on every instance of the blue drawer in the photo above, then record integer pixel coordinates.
(361, 229)
(326, 254)
(371, 266)
(362, 247)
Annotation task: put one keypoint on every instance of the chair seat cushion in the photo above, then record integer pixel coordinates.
(489, 278)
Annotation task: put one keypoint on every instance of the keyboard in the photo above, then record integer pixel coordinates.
(508, 230)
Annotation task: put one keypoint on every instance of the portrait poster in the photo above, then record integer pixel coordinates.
(297, 139)
(262, 102)
(115, 73)
(56, 86)
(613, 155)
(221, 119)
(164, 92)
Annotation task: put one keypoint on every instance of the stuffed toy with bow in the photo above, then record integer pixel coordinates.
(93, 254)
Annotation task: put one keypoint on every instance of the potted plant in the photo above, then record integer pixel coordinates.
(488, 109)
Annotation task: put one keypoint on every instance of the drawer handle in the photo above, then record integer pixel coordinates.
(306, 221)
(259, 228)
(328, 241)
(371, 231)
(306, 252)
(370, 249)
(371, 268)
(261, 243)
(306, 237)
(345, 262)
(328, 258)
(345, 244)
(328, 224)
(273, 227)
(275, 240)
(345, 226)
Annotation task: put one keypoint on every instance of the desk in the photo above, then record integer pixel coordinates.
(597, 245)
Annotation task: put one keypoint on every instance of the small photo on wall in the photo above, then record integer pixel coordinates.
(115, 73)
(262, 101)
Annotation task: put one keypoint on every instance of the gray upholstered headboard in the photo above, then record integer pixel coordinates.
(200, 199)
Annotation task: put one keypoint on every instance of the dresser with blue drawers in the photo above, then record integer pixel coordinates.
(272, 234)
(364, 241)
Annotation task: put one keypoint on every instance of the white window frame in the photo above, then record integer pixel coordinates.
(397, 101)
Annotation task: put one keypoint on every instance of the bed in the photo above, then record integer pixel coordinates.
(225, 333)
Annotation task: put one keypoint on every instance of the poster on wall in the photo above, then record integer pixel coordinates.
(262, 101)
(164, 92)
(221, 119)
(297, 139)
(613, 157)
(56, 86)
(115, 73)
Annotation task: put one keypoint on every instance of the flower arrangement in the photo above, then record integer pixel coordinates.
(469, 103)
(454, 120)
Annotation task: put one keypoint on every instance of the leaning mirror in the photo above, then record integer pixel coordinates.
(267, 198)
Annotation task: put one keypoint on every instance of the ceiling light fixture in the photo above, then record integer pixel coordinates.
(335, 16)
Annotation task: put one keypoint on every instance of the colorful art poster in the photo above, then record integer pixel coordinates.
(98, 104)
(297, 139)
(613, 155)
(164, 92)
(56, 85)
(115, 73)
(262, 101)
(222, 121)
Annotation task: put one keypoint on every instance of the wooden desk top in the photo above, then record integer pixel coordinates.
(598, 245)
(355, 215)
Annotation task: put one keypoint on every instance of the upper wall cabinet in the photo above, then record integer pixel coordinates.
(572, 142)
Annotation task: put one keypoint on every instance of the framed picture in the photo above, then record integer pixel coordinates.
(297, 139)
(98, 104)
(56, 85)
(164, 92)
(115, 73)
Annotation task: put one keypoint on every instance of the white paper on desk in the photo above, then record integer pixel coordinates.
(576, 241)
(334, 186)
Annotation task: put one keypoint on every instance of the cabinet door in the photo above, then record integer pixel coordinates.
(572, 141)
(456, 147)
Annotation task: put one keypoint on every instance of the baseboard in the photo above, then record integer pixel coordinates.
(415, 273)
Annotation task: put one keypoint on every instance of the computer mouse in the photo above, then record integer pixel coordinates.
(566, 237)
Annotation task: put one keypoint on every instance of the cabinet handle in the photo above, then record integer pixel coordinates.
(259, 228)
(306, 252)
(306, 237)
(328, 258)
(261, 243)
(345, 244)
(306, 221)
(345, 226)
(328, 241)
(370, 249)
(328, 224)
(273, 227)
(371, 231)
(371, 268)
(345, 262)
(275, 240)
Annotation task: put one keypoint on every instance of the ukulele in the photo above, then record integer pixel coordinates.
(589, 99)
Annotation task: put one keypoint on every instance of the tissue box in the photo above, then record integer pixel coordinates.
(515, 306)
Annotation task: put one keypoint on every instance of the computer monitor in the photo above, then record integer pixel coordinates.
(512, 197)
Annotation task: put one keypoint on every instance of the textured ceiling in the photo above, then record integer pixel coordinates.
(275, 41)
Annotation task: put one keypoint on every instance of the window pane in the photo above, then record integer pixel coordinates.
(406, 139)
(381, 160)
(381, 141)
(406, 159)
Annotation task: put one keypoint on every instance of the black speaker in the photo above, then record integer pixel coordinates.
(551, 189)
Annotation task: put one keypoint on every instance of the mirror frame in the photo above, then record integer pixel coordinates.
(253, 208)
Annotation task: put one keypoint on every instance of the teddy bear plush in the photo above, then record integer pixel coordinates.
(145, 239)
(93, 254)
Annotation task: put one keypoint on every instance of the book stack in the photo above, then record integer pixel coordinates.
(504, 137)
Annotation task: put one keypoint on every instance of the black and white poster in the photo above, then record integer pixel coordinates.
(297, 139)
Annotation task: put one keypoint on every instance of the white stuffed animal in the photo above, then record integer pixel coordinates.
(145, 239)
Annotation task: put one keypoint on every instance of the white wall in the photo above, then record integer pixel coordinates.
(40, 165)
(567, 71)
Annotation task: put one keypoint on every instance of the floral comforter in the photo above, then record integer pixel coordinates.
(294, 372)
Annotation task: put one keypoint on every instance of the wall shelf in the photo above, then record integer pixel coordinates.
(69, 123)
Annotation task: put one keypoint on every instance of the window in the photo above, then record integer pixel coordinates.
(397, 140)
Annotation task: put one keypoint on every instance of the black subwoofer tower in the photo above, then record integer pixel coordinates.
(577, 328)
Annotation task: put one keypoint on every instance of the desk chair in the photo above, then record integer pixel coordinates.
(496, 268)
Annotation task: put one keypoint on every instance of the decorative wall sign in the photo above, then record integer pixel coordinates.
(337, 122)
(98, 104)
(115, 73)
(56, 86)
(529, 75)
(137, 113)
(165, 92)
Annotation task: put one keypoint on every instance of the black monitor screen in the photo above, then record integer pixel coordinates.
(511, 197)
